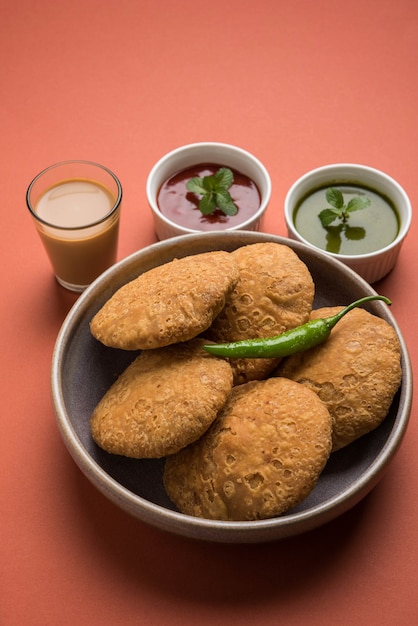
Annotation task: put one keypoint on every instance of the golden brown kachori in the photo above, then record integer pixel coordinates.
(261, 457)
(355, 373)
(274, 293)
(168, 304)
(164, 400)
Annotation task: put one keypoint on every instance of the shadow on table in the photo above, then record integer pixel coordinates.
(199, 573)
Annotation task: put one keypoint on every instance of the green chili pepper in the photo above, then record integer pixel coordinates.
(295, 340)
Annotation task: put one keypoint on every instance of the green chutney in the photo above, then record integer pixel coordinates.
(367, 230)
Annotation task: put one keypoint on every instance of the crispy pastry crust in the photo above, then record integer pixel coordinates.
(163, 401)
(356, 372)
(261, 457)
(168, 304)
(274, 293)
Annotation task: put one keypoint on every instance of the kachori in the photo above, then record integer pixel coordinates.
(355, 373)
(274, 293)
(168, 304)
(164, 400)
(261, 456)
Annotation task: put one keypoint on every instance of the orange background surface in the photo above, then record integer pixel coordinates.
(300, 84)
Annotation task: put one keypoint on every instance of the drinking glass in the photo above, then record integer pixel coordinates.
(76, 206)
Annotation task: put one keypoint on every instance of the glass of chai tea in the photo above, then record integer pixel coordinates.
(76, 206)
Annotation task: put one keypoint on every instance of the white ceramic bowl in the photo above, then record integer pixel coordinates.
(206, 152)
(371, 266)
(83, 369)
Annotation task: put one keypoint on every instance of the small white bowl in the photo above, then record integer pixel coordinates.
(371, 266)
(206, 152)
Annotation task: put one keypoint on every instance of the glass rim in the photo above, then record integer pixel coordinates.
(67, 162)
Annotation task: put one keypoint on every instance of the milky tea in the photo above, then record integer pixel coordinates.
(78, 222)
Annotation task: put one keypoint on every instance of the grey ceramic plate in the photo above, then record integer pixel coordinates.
(83, 369)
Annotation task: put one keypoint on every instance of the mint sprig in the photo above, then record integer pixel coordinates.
(341, 211)
(214, 192)
(338, 209)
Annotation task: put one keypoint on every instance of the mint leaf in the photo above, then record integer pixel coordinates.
(327, 216)
(214, 192)
(356, 204)
(207, 204)
(340, 210)
(209, 184)
(335, 198)
(224, 178)
(195, 185)
(225, 203)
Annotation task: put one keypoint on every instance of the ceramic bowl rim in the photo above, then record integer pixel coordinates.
(336, 169)
(219, 531)
(181, 150)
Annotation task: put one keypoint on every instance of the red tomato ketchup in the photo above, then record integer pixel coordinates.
(182, 206)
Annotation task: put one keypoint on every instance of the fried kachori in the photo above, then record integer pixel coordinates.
(355, 373)
(261, 457)
(168, 304)
(164, 400)
(274, 293)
